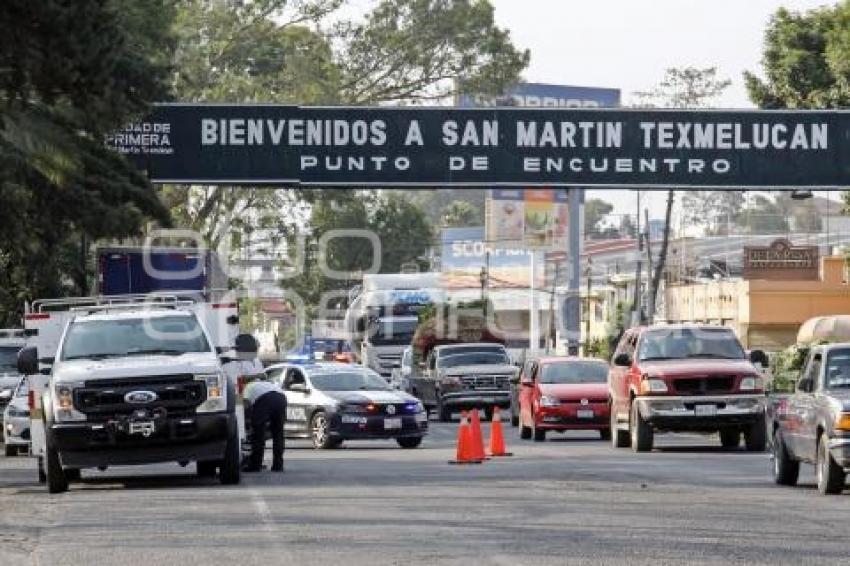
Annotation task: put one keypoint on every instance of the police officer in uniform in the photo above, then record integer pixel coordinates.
(267, 404)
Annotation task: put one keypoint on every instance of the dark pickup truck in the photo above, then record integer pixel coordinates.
(812, 425)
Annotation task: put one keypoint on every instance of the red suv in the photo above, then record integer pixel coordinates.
(563, 393)
(686, 378)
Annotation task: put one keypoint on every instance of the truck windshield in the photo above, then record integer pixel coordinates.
(169, 335)
(681, 343)
(838, 368)
(472, 359)
(349, 381)
(9, 359)
(393, 332)
(574, 372)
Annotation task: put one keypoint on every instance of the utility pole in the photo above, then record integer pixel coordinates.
(589, 273)
(650, 307)
(637, 317)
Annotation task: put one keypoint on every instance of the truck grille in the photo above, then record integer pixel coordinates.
(485, 381)
(179, 395)
(709, 385)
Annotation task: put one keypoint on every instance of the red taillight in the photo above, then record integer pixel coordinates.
(37, 316)
(224, 305)
(31, 400)
(240, 384)
(371, 407)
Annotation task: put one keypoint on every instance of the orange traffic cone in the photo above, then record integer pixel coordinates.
(465, 453)
(497, 439)
(477, 437)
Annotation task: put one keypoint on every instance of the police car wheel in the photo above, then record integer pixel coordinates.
(11, 450)
(320, 431)
(409, 442)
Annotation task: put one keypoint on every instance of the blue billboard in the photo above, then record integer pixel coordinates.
(540, 95)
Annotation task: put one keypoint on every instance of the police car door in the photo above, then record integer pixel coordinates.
(297, 402)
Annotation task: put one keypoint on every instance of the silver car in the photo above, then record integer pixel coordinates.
(16, 421)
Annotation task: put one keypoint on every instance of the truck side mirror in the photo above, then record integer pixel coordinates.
(28, 361)
(623, 360)
(361, 324)
(759, 357)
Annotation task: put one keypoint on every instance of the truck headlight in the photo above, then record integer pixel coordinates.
(650, 385)
(751, 384)
(63, 404)
(216, 398)
(450, 380)
(548, 401)
(842, 422)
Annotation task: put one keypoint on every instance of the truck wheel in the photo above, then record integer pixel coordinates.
(10, 450)
(605, 434)
(830, 475)
(42, 475)
(619, 438)
(231, 474)
(320, 431)
(755, 437)
(74, 474)
(641, 432)
(730, 438)
(207, 469)
(57, 482)
(409, 442)
(514, 418)
(488, 414)
(785, 470)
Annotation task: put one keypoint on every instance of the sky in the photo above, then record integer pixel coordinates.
(627, 44)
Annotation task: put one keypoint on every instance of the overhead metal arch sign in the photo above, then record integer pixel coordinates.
(396, 147)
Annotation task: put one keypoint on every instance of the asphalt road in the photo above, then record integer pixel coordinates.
(571, 500)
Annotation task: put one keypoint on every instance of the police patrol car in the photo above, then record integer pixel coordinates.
(332, 402)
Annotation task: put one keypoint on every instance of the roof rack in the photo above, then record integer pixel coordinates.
(169, 297)
(156, 306)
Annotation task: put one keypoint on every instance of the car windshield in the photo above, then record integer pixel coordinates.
(169, 335)
(838, 368)
(8, 359)
(393, 332)
(472, 359)
(349, 381)
(681, 343)
(574, 372)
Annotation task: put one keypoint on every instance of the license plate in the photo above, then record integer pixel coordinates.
(144, 428)
(705, 410)
(392, 424)
(585, 414)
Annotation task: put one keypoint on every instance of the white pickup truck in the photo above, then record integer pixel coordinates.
(129, 380)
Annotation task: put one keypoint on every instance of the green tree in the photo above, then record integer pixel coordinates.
(70, 73)
(714, 211)
(460, 213)
(806, 64)
(763, 215)
(686, 87)
(279, 51)
(595, 211)
(806, 60)
(402, 229)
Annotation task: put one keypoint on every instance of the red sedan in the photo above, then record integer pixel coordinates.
(564, 393)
